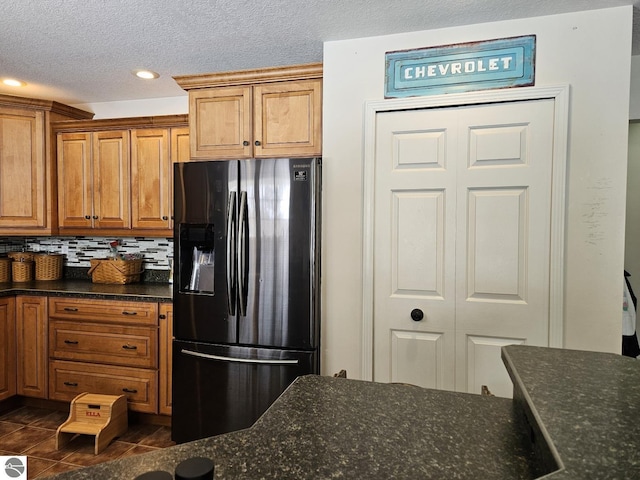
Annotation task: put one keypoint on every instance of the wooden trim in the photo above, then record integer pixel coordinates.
(246, 77)
(121, 123)
(37, 104)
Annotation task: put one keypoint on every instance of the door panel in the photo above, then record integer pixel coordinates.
(462, 225)
(418, 349)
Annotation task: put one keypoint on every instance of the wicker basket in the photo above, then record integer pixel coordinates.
(5, 269)
(106, 270)
(22, 271)
(49, 266)
(21, 256)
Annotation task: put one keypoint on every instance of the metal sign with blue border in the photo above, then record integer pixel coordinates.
(502, 63)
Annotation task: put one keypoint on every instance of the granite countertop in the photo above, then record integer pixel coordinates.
(583, 408)
(325, 427)
(574, 416)
(149, 292)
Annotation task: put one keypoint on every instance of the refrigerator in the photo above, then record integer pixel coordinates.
(246, 288)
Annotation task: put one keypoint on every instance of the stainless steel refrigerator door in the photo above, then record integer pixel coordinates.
(205, 219)
(278, 252)
(219, 389)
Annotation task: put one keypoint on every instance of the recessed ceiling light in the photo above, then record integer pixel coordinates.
(146, 74)
(12, 82)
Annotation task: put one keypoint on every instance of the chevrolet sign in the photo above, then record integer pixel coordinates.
(503, 63)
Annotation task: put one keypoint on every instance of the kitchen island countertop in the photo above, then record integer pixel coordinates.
(581, 411)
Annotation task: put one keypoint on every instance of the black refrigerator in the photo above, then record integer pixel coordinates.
(246, 288)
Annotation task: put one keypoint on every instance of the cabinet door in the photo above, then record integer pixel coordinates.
(220, 122)
(75, 195)
(7, 348)
(150, 179)
(166, 358)
(180, 145)
(31, 333)
(22, 168)
(111, 179)
(288, 119)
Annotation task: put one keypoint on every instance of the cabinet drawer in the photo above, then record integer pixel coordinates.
(68, 379)
(99, 343)
(140, 313)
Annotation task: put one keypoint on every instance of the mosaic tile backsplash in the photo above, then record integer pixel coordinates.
(79, 251)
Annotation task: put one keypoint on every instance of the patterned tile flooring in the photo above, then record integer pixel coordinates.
(31, 431)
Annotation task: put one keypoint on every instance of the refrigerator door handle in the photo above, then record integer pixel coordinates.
(238, 360)
(231, 253)
(242, 254)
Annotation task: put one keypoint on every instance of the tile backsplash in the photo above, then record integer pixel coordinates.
(79, 251)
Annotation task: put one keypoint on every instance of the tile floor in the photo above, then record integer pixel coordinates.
(31, 431)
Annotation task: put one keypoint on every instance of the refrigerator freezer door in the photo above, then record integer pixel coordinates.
(219, 389)
(279, 269)
(204, 251)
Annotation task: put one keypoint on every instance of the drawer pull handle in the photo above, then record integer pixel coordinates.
(130, 347)
(129, 313)
(129, 390)
(71, 384)
(71, 342)
(70, 309)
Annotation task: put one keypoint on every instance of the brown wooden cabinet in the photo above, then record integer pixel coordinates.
(7, 348)
(104, 346)
(115, 175)
(166, 358)
(93, 179)
(271, 112)
(27, 183)
(31, 343)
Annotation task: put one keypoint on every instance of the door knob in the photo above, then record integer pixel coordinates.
(417, 315)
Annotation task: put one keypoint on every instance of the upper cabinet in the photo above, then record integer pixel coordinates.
(27, 166)
(115, 176)
(271, 112)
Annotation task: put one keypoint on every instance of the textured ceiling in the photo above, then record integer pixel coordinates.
(83, 51)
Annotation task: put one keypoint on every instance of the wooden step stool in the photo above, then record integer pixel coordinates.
(104, 416)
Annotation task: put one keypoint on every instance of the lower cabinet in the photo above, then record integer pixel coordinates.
(68, 379)
(104, 346)
(31, 346)
(7, 347)
(166, 358)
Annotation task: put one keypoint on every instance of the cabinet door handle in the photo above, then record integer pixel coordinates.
(257, 143)
(162, 316)
(87, 217)
(70, 309)
(164, 217)
(245, 143)
(130, 347)
(71, 342)
(71, 384)
(129, 313)
(129, 390)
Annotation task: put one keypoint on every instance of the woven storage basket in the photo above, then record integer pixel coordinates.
(48, 266)
(21, 256)
(5, 269)
(106, 270)
(22, 271)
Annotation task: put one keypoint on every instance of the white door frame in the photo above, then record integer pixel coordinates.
(560, 95)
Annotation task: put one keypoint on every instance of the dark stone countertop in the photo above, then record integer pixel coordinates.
(325, 427)
(147, 292)
(583, 408)
(582, 412)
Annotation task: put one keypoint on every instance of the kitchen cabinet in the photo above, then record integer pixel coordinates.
(7, 348)
(166, 358)
(104, 346)
(115, 176)
(31, 346)
(27, 164)
(271, 112)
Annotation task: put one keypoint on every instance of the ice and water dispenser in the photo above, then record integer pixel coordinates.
(197, 259)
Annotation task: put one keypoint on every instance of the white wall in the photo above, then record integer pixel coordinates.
(591, 52)
(632, 230)
(138, 108)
